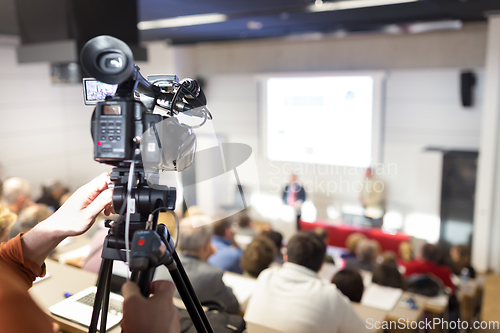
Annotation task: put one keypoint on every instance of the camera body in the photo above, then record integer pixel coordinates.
(117, 126)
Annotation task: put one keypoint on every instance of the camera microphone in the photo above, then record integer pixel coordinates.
(195, 95)
(192, 86)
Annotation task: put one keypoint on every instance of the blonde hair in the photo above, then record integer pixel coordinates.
(7, 219)
(352, 241)
(30, 216)
(15, 187)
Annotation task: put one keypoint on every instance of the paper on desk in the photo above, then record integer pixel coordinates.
(80, 252)
(243, 287)
(380, 297)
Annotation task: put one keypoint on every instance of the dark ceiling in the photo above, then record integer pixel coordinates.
(273, 18)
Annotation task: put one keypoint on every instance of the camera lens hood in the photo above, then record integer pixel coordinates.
(107, 59)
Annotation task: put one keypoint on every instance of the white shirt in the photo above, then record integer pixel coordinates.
(294, 299)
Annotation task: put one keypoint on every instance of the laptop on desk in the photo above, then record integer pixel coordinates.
(78, 307)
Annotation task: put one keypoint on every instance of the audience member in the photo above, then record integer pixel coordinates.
(277, 239)
(30, 217)
(244, 225)
(52, 191)
(460, 256)
(390, 257)
(428, 264)
(258, 255)
(406, 254)
(387, 274)
(293, 298)
(22, 260)
(367, 252)
(323, 234)
(195, 248)
(350, 283)
(16, 194)
(228, 253)
(7, 219)
(351, 243)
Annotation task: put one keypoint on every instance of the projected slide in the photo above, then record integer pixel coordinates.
(324, 120)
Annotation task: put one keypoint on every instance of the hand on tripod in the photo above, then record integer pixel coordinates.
(74, 218)
(153, 315)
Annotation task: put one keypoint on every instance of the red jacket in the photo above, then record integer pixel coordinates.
(441, 272)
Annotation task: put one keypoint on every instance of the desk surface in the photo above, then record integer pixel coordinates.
(404, 312)
(491, 299)
(63, 279)
(366, 312)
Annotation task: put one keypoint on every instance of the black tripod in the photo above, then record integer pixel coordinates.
(156, 247)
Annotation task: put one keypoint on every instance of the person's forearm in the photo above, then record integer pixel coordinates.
(40, 241)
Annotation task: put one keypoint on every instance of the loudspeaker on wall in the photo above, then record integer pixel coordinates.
(467, 84)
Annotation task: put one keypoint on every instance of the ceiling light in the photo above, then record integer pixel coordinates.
(351, 4)
(417, 28)
(182, 21)
(254, 25)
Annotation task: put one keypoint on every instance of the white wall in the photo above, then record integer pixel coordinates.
(422, 103)
(45, 128)
(44, 131)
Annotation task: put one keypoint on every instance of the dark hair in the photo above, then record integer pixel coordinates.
(431, 252)
(306, 249)
(258, 255)
(221, 226)
(243, 220)
(321, 232)
(275, 237)
(387, 274)
(350, 283)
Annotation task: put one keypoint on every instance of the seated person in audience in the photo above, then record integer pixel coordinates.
(22, 260)
(244, 225)
(52, 191)
(323, 234)
(460, 257)
(258, 255)
(351, 243)
(350, 283)
(387, 274)
(16, 194)
(293, 298)
(228, 253)
(390, 257)
(428, 264)
(195, 248)
(405, 254)
(367, 252)
(277, 239)
(7, 220)
(30, 217)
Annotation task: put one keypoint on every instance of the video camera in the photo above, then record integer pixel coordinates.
(126, 118)
(135, 129)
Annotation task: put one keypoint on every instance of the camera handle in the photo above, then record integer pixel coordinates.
(143, 278)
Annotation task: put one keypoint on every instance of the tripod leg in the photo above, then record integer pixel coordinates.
(105, 301)
(190, 290)
(187, 298)
(104, 275)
